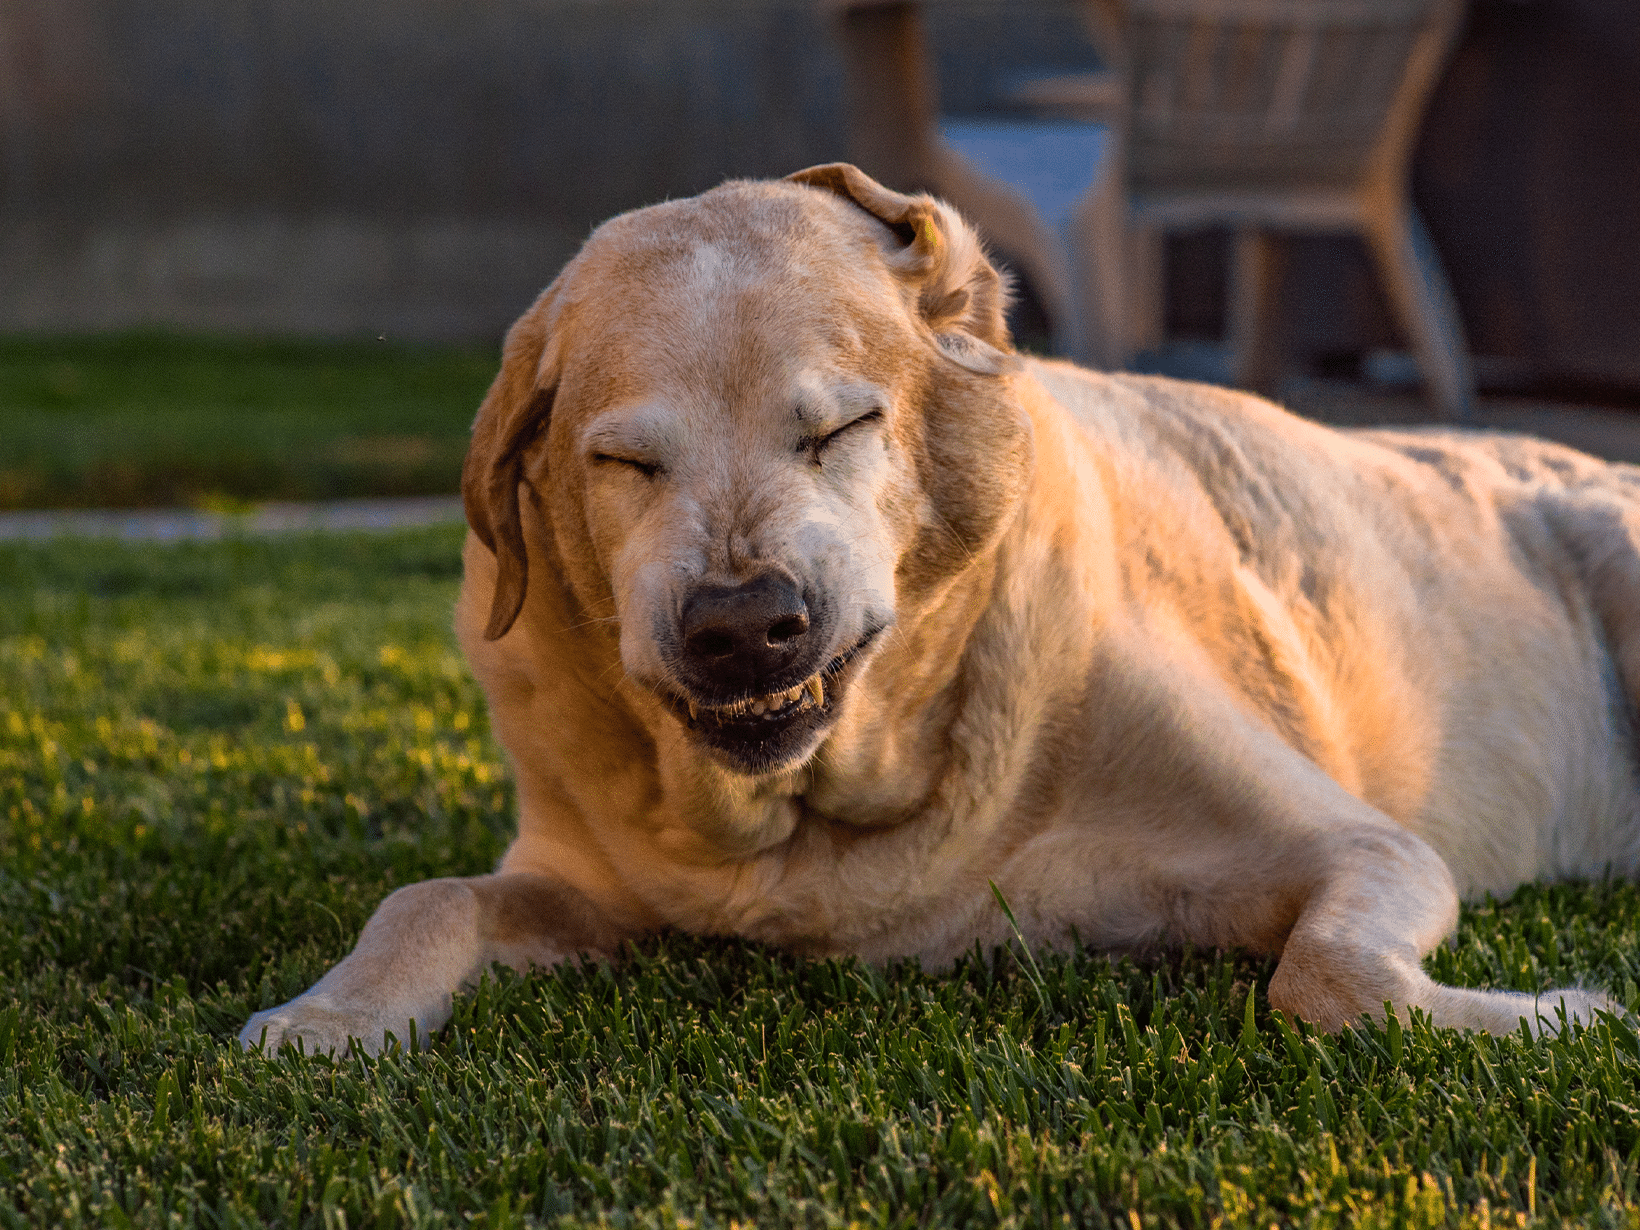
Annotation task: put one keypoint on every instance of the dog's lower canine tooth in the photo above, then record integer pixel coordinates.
(817, 689)
(692, 713)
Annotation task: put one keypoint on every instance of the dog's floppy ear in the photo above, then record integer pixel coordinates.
(960, 295)
(513, 415)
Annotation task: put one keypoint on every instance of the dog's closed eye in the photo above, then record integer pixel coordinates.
(815, 445)
(648, 469)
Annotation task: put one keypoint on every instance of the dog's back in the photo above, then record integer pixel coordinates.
(1430, 615)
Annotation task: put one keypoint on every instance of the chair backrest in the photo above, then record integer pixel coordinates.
(1274, 93)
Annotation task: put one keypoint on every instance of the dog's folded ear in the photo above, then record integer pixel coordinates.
(513, 415)
(961, 296)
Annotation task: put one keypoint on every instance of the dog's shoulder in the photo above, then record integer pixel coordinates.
(1209, 430)
(1197, 462)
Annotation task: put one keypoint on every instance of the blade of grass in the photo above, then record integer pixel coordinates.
(1032, 971)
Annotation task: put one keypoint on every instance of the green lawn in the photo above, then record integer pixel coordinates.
(215, 760)
(138, 420)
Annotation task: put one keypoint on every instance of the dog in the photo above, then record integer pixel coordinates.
(806, 609)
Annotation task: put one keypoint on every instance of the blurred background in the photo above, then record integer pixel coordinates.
(256, 249)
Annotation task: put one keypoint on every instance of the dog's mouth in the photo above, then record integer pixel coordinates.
(769, 731)
(774, 706)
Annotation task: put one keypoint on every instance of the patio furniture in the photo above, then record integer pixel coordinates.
(1024, 185)
(1262, 116)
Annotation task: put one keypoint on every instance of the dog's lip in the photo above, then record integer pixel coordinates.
(818, 690)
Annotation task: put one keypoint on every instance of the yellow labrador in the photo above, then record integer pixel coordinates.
(805, 608)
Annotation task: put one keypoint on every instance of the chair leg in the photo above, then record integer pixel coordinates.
(1423, 301)
(888, 93)
(994, 174)
(1098, 243)
(1012, 225)
(1144, 289)
(1256, 260)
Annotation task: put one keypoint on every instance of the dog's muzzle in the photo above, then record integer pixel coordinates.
(757, 682)
(739, 638)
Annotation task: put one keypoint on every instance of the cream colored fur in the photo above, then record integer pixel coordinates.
(1164, 662)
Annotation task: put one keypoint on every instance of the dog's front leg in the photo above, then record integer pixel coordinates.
(1385, 901)
(423, 944)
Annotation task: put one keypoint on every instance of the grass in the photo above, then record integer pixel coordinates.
(147, 419)
(216, 759)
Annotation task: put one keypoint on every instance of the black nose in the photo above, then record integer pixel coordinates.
(742, 635)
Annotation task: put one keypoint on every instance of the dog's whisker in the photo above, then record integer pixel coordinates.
(614, 666)
(956, 537)
(590, 623)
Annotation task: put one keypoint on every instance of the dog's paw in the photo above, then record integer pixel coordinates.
(320, 1026)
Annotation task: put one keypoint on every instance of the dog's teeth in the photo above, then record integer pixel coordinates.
(774, 702)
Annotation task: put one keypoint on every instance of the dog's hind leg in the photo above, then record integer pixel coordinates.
(423, 944)
(1260, 849)
(1362, 933)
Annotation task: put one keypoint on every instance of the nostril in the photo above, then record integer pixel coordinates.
(788, 629)
(711, 643)
(746, 630)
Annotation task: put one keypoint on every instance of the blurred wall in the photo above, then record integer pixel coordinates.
(421, 168)
(414, 167)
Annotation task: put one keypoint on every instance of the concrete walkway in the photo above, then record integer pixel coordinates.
(182, 525)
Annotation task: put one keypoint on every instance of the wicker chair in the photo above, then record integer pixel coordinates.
(1026, 186)
(1263, 116)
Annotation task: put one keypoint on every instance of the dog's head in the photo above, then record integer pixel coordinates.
(759, 426)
